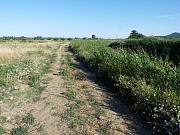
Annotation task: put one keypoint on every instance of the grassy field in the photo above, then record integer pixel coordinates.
(149, 83)
(22, 65)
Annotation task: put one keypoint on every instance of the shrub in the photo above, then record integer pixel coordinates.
(161, 48)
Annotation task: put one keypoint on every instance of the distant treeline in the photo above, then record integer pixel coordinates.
(43, 38)
(33, 38)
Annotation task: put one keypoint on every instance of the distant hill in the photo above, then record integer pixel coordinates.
(173, 35)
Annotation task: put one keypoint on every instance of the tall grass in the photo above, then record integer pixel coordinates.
(11, 53)
(23, 64)
(158, 47)
(152, 85)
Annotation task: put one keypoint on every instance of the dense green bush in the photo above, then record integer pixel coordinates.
(151, 85)
(155, 46)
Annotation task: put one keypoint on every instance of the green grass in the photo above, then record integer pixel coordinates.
(96, 104)
(28, 119)
(27, 69)
(150, 84)
(23, 124)
(71, 95)
(64, 72)
(19, 131)
(162, 48)
(78, 115)
(2, 131)
(67, 60)
(71, 115)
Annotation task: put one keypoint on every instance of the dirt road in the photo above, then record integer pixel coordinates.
(74, 103)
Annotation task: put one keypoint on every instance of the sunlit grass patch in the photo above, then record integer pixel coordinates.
(23, 64)
(28, 119)
(12, 53)
(19, 131)
(2, 131)
(71, 95)
(23, 124)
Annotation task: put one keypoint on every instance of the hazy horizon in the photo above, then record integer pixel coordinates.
(104, 18)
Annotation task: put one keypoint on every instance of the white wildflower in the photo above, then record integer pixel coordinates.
(9, 118)
(11, 98)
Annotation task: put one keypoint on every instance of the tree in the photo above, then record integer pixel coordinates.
(55, 39)
(135, 34)
(62, 39)
(69, 39)
(93, 36)
(38, 38)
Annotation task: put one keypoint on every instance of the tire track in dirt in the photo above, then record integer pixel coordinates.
(124, 122)
(51, 103)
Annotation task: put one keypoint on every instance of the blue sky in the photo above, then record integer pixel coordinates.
(82, 18)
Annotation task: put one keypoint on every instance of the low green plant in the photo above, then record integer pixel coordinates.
(71, 115)
(19, 131)
(71, 95)
(64, 72)
(28, 119)
(68, 60)
(2, 131)
(96, 105)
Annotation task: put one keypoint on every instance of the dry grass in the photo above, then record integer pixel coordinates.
(14, 49)
(10, 53)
